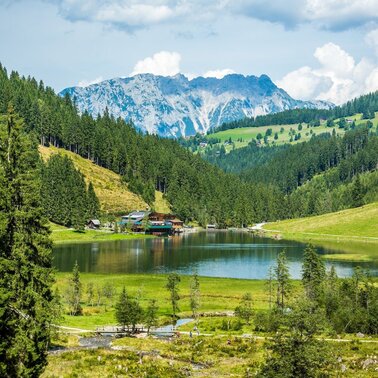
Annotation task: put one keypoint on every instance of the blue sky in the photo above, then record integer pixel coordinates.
(314, 49)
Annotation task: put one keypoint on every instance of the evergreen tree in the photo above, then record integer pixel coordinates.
(151, 315)
(128, 311)
(313, 273)
(297, 352)
(172, 286)
(195, 295)
(357, 192)
(122, 310)
(282, 276)
(26, 299)
(74, 291)
(93, 204)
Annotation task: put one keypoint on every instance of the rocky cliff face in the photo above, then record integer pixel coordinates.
(175, 106)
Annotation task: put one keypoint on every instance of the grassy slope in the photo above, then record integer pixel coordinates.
(114, 195)
(161, 205)
(61, 234)
(352, 230)
(249, 133)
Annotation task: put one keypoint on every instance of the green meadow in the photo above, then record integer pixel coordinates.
(242, 136)
(218, 295)
(352, 231)
(249, 133)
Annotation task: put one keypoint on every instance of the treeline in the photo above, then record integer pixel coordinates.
(194, 188)
(326, 173)
(66, 199)
(290, 166)
(245, 158)
(355, 152)
(366, 104)
(282, 118)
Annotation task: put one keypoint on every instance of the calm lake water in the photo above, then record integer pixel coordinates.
(214, 254)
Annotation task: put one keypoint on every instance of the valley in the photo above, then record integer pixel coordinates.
(245, 292)
(188, 189)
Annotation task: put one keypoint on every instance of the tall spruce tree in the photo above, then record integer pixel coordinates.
(74, 291)
(282, 276)
(122, 310)
(93, 204)
(173, 281)
(195, 295)
(313, 273)
(26, 299)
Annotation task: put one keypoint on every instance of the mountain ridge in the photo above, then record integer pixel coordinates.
(174, 106)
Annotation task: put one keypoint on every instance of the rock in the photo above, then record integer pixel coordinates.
(367, 363)
(360, 335)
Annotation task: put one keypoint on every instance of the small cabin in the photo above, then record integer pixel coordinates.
(94, 224)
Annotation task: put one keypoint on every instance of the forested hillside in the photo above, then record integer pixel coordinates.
(367, 105)
(113, 194)
(275, 183)
(194, 188)
(327, 173)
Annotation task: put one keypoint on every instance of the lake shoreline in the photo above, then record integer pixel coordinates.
(68, 236)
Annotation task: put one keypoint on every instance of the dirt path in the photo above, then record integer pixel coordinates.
(73, 330)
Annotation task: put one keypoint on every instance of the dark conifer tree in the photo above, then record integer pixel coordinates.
(26, 299)
(93, 204)
(313, 273)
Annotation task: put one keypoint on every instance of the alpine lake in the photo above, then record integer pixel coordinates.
(228, 254)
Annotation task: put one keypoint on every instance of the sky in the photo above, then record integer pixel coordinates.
(314, 49)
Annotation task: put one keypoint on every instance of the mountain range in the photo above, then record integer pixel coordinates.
(175, 106)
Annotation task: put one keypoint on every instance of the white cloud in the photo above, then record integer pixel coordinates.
(163, 63)
(130, 15)
(86, 83)
(334, 60)
(337, 79)
(134, 14)
(167, 63)
(326, 14)
(372, 40)
(219, 74)
(371, 81)
(304, 83)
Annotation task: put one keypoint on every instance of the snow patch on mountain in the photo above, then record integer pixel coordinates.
(175, 106)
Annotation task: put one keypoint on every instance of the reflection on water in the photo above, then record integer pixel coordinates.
(215, 254)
